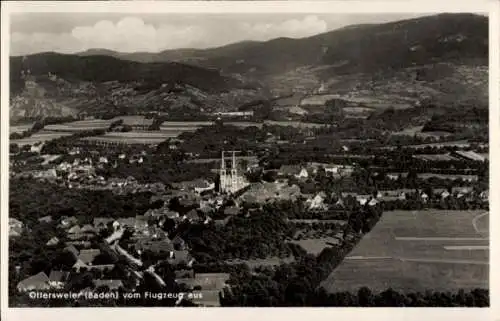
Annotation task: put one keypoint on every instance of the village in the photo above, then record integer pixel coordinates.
(119, 252)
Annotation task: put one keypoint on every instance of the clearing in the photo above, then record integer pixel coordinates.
(417, 251)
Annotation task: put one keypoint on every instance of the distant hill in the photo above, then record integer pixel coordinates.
(441, 58)
(51, 84)
(102, 68)
(358, 48)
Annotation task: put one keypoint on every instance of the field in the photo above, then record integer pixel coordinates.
(133, 137)
(81, 125)
(41, 136)
(357, 110)
(20, 128)
(91, 124)
(435, 157)
(458, 143)
(418, 251)
(271, 261)
(417, 130)
(315, 246)
(471, 178)
(318, 100)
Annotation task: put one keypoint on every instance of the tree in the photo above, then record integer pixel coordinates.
(14, 148)
(365, 297)
(270, 176)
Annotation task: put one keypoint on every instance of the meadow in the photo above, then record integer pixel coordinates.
(418, 251)
(133, 137)
(316, 245)
(417, 130)
(268, 262)
(20, 128)
(435, 157)
(40, 137)
(471, 178)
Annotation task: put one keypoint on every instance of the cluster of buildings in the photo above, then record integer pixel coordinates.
(311, 169)
(96, 247)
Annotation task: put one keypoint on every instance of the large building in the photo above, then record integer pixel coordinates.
(230, 180)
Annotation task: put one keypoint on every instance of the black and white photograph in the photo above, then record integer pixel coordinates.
(247, 159)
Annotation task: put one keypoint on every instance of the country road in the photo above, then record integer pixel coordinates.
(474, 222)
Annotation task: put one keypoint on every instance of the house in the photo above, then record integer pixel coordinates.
(207, 221)
(79, 264)
(15, 227)
(45, 219)
(69, 222)
(155, 232)
(72, 250)
(363, 199)
(445, 194)
(57, 279)
(112, 285)
(38, 281)
(141, 222)
(303, 173)
(485, 196)
(88, 256)
(159, 246)
(75, 230)
(317, 202)
(52, 242)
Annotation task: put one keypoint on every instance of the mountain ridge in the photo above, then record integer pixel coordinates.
(442, 57)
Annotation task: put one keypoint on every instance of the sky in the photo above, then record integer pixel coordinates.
(77, 32)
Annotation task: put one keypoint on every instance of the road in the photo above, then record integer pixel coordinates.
(474, 222)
